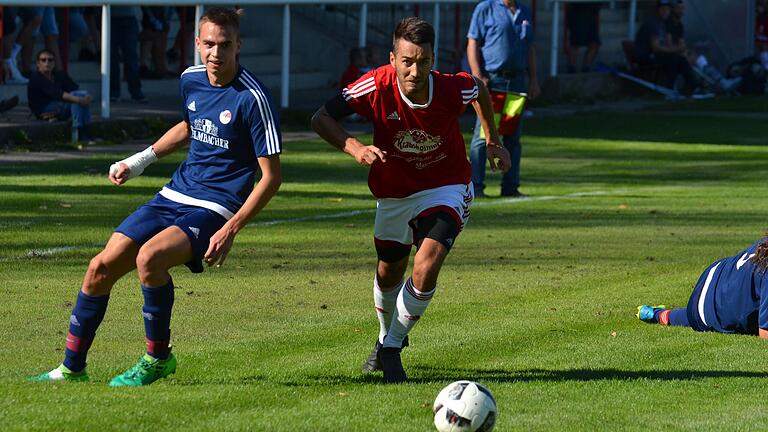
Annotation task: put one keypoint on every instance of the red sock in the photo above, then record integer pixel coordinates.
(664, 317)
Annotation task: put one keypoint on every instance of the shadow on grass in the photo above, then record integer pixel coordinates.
(650, 127)
(424, 375)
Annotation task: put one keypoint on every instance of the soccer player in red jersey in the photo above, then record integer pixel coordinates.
(419, 174)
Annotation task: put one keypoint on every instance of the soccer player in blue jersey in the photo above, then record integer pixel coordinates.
(731, 296)
(232, 129)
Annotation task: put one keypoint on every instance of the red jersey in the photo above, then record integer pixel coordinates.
(425, 148)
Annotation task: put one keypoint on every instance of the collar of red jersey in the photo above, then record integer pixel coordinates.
(415, 105)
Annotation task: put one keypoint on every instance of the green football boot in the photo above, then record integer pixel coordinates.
(146, 371)
(61, 373)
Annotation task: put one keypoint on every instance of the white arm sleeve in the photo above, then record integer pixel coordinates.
(136, 163)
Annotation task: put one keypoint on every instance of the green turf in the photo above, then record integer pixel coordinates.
(536, 301)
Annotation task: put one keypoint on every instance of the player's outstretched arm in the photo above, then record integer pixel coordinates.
(331, 131)
(265, 189)
(498, 156)
(173, 139)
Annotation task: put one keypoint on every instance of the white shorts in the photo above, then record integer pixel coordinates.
(395, 216)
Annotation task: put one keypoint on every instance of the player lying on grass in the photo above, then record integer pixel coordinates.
(232, 130)
(419, 174)
(731, 296)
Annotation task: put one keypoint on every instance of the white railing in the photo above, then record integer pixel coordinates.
(106, 29)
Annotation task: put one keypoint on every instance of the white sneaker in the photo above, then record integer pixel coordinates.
(13, 76)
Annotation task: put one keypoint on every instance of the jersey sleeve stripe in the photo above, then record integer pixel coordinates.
(359, 85)
(270, 128)
(361, 92)
(193, 69)
(470, 95)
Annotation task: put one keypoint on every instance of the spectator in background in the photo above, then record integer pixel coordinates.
(153, 39)
(709, 74)
(583, 26)
(12, 47)
(50, 31)
(53, 95)
(372, 59)
(186, 15)
(124, 45)
(92, 16)
(353, 70)
(501, 52)
(653, 46)
(79, 31)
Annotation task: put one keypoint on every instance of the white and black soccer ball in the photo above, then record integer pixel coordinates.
(465, 406)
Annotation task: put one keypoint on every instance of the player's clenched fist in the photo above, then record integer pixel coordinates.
(119, 173)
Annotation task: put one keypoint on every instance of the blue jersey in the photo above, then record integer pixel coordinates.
(735, 294)
(232, 126)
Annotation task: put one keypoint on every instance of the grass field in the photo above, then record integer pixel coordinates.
(536, 301)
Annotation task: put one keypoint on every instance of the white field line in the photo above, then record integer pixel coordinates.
(37, 253)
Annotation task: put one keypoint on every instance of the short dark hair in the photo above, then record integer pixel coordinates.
(224, 17)
(414, 30)
(45, 51)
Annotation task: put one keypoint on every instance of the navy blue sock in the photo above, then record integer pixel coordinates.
(85, 319)
(158, 303)
(679, 317)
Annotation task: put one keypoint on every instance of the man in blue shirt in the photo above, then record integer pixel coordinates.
(731, 296)
(501, 52)
(232, 130)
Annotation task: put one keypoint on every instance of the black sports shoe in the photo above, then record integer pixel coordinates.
(372, 364)
(8, 104)
(391, 365)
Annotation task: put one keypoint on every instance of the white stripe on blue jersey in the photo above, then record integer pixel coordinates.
(270, 130)
(184, 199)
(200, 68)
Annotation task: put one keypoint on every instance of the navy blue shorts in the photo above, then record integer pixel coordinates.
(160, 213)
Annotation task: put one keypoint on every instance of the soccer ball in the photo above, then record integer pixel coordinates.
(465, 406)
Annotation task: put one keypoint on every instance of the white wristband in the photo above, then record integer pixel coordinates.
(136, 163)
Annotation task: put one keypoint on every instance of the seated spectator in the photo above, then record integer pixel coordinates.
(653, 46)
(583, 25)
(354, 69)
(698, 61)
(53, 95)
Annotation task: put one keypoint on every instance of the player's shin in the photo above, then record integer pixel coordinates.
(411, 305)
(158, 303)
(386, 304)
(85, 320)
